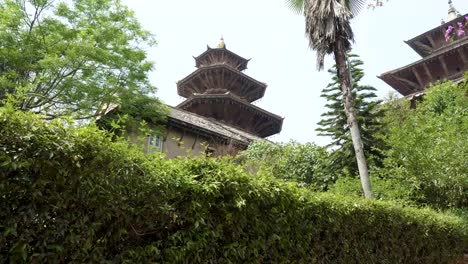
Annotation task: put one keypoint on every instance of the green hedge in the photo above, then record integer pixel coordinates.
(386, 189)
(71, 195)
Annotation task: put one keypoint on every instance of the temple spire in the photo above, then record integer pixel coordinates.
(452, 12)
(221, 44)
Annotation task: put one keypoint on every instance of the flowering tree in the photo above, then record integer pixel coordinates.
(452, 33)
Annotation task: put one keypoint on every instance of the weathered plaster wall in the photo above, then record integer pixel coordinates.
(180, 143)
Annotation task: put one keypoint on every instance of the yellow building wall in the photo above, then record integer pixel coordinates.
(176, 143)
(180, 143)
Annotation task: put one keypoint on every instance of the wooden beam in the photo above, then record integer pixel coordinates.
(195, 141)
(463, 56)
(180, 140)
(431, 40)
(410, 83)
(423, 46)
(418, 77)
(444, 65)
(237, 120)
(223, 73)
(233, 80)
(265, 125)
(428, 73)
(193, 86)
(203, 79)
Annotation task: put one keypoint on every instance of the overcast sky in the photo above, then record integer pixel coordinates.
(273, 36)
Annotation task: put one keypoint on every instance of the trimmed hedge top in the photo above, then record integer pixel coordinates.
(69, 194)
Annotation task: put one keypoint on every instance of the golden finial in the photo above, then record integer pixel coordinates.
(452, 12)
(221, 44)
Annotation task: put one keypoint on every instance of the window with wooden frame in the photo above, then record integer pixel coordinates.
(155, 143)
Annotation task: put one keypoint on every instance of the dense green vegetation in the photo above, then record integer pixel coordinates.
(428, 156)
(428, 146)
(136, 115)
(70, 194)
(307, 164)
(77, 194)
(426, 160)
(71, 58)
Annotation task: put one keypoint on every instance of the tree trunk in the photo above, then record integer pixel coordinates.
(345, 82)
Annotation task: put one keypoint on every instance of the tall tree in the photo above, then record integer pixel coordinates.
(329, 31)
(71, 57)
(334, 123)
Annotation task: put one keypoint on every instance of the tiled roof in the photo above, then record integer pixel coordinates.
(210, 126)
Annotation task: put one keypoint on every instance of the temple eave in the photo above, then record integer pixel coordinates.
(433, 38)
(399, 86)
(234, 111)
(447, 64)
(224, 77)
(242, 62)
(203, 126)
(227, 97)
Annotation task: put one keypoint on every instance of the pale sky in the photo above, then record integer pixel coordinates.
(273, 36)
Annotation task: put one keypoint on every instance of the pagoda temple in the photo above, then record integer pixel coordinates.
(219, 90)
(218, 117)
(443, 58)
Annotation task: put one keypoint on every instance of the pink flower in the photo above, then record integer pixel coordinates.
(460, 32)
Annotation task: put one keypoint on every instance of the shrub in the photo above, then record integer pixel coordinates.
(70, 195)
(386, 189)
(429, 149)
(307, 164)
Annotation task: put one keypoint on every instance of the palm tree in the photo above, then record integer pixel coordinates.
(329, 31)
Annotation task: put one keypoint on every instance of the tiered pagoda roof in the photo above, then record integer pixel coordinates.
(441, 60)
(219, 90)
(221, 55)
(221, 78)
(230, 109)
(432, 40)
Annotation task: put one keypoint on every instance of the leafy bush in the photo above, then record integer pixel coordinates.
(71, 57)
(429, 150)
(387, 189)
(307, 164)
(70, 195)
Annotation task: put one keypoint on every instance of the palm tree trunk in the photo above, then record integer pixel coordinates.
(344, 76)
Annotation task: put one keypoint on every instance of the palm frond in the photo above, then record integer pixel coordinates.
(297, 6)
(355, 6)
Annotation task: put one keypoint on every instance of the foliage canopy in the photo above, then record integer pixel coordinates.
(429, 149)
(73, 58)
